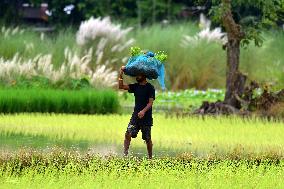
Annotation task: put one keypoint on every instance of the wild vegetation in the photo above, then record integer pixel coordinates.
(200, 65)
(72, 170)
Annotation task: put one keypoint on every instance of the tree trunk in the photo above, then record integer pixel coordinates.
(235, 81)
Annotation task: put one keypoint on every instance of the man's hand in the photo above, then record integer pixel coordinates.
(149, 105)
(120, 79)
(141, 114)
(121, 71)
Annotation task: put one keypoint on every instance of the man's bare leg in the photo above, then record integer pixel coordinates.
(149, 148)
(127, 141)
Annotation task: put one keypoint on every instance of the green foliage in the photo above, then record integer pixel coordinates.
(43, 82)
(186, 100)
(135, 51)
(58, 101)
(161, 56)
(252, 34)
(54, 44)
(261, 14)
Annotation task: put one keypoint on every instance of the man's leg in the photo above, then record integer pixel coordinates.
(149, 148)
(127, 141)
(146, 136)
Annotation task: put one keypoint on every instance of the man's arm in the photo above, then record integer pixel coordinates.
(120, 80)
(149, 105)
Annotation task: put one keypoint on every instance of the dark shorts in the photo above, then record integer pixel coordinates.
(134, 129)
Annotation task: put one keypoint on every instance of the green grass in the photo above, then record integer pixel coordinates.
(41, 172)
(51, 44)
(171, 136)
(84, 151)
(58, 101)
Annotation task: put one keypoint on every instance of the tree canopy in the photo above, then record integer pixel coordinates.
(252, 15)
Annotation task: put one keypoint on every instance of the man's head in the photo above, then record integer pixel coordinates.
(140, 78)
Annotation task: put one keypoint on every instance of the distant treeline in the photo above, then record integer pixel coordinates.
(139, 11)
(130, 11)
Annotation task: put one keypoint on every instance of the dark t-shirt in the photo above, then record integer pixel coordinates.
(142, 94)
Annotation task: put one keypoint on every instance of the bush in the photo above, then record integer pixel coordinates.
(276, 110)
(58, 101)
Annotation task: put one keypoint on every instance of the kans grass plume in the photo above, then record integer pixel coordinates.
(102, 43)
(7, 32)
(74, 67)
(206, 34)
(109, 40)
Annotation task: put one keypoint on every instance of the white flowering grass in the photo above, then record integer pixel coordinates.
(100, 28)
(199, 65)
(10, 32)
(61, 66)
(74, 66)
(109, 40)
(206, 34)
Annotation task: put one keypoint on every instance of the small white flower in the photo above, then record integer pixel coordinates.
(42, 36)
(204, 23)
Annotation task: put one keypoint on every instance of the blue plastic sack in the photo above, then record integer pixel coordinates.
(147, 65)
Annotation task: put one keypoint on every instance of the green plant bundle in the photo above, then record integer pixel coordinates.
(135, 51)
(160, 55)
(58, 101)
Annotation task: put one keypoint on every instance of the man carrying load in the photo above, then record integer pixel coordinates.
(143, 66)
(141, 118)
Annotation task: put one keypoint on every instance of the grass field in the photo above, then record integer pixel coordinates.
(15, 100)
(171, 136)
(85, 151)
(134, 173)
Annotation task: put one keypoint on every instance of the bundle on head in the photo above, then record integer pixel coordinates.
(148, 64)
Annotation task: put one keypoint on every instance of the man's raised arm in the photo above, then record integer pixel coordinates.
(120, 79)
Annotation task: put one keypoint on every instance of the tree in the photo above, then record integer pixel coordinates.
(9, 10)
(241, 31)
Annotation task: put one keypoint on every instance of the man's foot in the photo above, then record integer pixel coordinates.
(125, 153)
(127, 141)
(149, 148)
